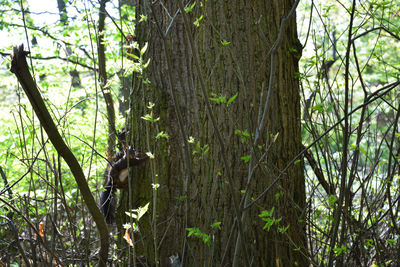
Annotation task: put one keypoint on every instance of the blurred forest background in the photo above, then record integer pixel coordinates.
(104, 65)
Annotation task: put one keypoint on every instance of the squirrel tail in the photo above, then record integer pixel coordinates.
(107, 202)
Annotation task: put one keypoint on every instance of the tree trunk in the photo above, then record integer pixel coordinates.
(234, 41)
(62, 10)
(103, 80)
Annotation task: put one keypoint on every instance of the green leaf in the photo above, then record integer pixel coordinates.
(340, 250)
(150, 155)
(245, 134)
(383, 162)
(150, 105)
(145, 65)
(197, 21)
(139, 212)
(232, 99)
(132, 55)
(190, 8)
(266, 214)
(216, 225)
(142, 18)
(191, 140)
(149, 117)
(218, 99)
(283, 229)
(144, 48)
(391, 241)
(224, 42)
(276, 137)
(193, 231)
(318, 107)
(245, 158)
(196, 232)
(162, 134)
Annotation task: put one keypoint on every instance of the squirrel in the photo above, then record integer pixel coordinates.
(118, 179)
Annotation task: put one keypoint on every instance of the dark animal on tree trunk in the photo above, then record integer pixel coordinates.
(118, 179)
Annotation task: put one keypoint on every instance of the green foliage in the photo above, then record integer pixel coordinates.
(231, 99)
(269, 219)
(150, 118)
(243, 133)
(139, 212)
(162, 134)
(283, 229)
(218, 99)
(198, 233)
(224, 42)
(319, 107)
(216, 225)
(142, 18)
(340, 250)
(191, 140)
(221, 99)
(246, 158)
(200, 150)
(206, 238)
(190, 8)
(198, 20)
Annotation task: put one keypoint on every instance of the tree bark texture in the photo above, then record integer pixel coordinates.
(234, 41)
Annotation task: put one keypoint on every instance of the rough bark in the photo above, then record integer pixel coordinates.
(243, 67)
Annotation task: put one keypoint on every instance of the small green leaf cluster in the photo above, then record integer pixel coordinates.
(269, 219)
(206, 238)
(221, 99)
